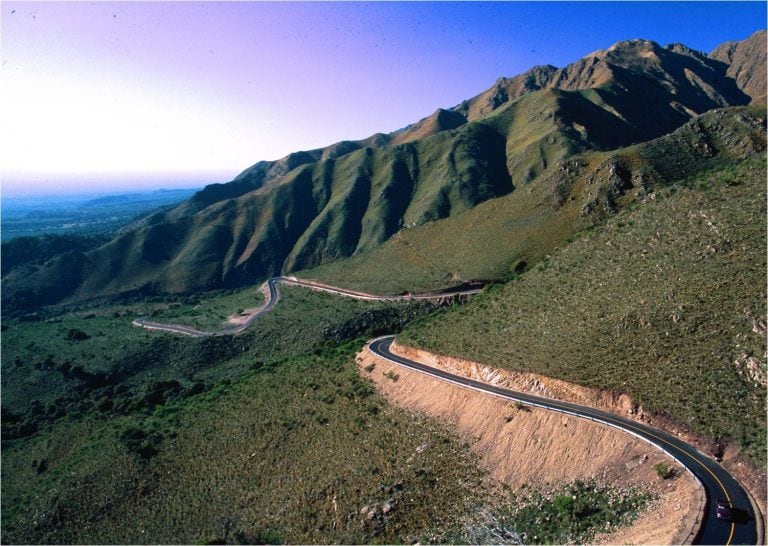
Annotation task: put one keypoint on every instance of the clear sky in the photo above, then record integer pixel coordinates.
(161, 94)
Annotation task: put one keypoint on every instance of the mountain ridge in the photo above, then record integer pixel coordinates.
(314, 207)
(744, 59)
(504, 90)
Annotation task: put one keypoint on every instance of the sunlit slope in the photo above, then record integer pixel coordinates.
(498, 237)
(746, 64)
(335, 208)
(316, 207)
(673, 82)
(665, 302)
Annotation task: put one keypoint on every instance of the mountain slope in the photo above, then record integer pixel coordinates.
(746, 62)
(316, 207)
(666, 302)
(675, 82)
(496, 239)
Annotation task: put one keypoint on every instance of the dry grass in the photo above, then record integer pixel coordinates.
(659, 303)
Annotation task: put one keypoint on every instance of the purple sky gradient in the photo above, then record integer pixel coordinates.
(159, 94)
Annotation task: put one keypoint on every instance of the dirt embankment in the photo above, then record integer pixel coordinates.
(239, 319)
(622, 404)
(531, 446)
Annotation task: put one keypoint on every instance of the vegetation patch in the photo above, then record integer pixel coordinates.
(661, 302)
(569, 514)
(129, 436)
(208, 310)
(300, 451)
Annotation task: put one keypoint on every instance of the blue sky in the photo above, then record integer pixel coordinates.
(115, 95)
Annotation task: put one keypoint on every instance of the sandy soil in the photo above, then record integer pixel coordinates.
(241, 318)
(537, 447)
(730, 456)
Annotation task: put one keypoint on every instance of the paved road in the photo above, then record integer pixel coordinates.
(274, 296)
(717, 482)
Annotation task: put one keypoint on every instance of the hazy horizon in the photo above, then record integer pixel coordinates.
(73, 186)
(164, 94)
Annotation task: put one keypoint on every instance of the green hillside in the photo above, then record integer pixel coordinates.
(316, 207)
(170, 439)
(497, 238)
(665, 302)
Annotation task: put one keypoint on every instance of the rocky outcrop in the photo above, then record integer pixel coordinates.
(746, 61)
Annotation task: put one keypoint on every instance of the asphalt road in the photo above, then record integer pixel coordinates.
(274, 297)
(717, 482)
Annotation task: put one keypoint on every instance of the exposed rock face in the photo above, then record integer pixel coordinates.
(684, 81)
(506, 90)
(752, 368)
(746, 62)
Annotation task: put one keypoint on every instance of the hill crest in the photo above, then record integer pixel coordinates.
(314, 207)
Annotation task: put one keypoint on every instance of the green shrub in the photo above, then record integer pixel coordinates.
(392, 375)
(663, 470)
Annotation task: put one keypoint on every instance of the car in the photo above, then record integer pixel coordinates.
(724, 510)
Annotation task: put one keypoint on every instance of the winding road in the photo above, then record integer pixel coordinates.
(273, 297)
(717, 482)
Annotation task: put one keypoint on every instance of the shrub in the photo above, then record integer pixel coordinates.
(77, 335)
(663, 470)
(564, 504)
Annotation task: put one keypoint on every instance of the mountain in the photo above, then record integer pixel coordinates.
(502, 237)
(629, 78)
(746, 64)
(315, 207)
(664, 301)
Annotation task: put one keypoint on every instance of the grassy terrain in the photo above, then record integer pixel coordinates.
(291, 452)
(47, 360)
(659, 303)
(270, 436)
(208, 311)
(497, 238)
(171, 439)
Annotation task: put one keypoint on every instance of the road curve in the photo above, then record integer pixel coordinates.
(274, 296)
(717, 482)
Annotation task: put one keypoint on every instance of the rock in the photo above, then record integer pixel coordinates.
(758, 327)
(634, 463)
(752, 368)
(386, 508)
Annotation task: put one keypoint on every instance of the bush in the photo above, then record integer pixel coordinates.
(564, 504)
(663, 470)
(77, 335)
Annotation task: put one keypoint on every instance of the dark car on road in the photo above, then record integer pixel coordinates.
(724, 510)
